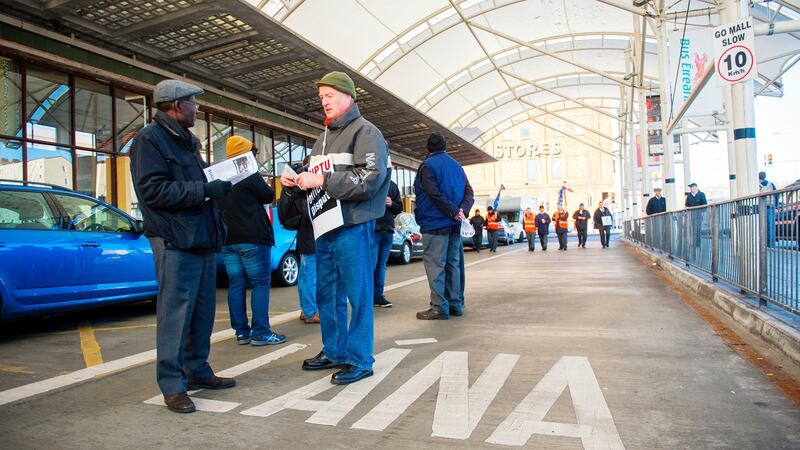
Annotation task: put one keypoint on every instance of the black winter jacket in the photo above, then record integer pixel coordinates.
(244, 212)
(168, 178)
(386, 223)
(293, 214)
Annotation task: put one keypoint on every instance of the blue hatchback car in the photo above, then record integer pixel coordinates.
(61, 250)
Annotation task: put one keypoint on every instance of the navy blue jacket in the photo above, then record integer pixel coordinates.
(656, 205)
(168, 178)
(442, 189)
(695, 200)
(543, 228)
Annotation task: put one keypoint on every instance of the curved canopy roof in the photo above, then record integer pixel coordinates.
(479, 66)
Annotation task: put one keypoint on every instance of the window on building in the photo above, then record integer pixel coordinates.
(93, 127)
(525, 132)
(220, 132)
(282, 152)
(10, 159)
(48, 106)
(533, 169)
(508, 135)
(263, 141)
(10, 98)
(298, 149)
(244, 130)
(555, 168)
(50, 164)
(132, 117)
(94, 174)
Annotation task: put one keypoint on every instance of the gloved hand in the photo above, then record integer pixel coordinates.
(217, 189)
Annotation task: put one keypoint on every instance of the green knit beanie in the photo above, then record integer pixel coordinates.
(339, 81)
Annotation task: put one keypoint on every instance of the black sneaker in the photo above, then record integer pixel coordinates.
(382, 303)
(242, 339)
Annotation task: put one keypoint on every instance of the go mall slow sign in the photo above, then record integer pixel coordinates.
(734, 49)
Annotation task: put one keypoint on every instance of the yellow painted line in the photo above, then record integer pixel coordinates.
(89, 345)
(133, 327)
(15, 369)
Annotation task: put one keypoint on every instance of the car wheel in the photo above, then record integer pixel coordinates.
(521, 236)
(288, 270)
(405, 254)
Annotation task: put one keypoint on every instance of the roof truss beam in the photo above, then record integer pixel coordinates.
(291, 79)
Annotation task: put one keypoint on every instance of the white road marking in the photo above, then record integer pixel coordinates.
(416, 341)
(333, 411)
(595, 425)
(458, 409)
(107, 368)
(207, 405)
(129, 362)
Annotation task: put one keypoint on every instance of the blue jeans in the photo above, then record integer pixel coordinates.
(492, 240)
(443, 259)
(380, 251)
(248, 264)
(307, 285)
(345, 273)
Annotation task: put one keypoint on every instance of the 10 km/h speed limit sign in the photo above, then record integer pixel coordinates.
(735, 55)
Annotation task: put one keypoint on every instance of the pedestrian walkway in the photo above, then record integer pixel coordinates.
(580, 349)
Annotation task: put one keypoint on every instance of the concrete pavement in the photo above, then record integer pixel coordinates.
(580, 349)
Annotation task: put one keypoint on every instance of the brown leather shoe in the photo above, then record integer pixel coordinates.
(302, 315)
(312, 319)
(213, 382)
(179, 403)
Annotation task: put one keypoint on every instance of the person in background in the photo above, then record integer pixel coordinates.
(247, 252)
(605, 230)
(293, 214)
(543, 227)
(186, 229)
(443, 193)
(478, 222)
(657, 204)
(561, 220)
(581, 217)
(765, 185)
(492, 226)
(359, 181)
(694, 198)
(529, 227)
(384, 232)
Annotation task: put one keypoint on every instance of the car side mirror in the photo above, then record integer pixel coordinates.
(138, 226)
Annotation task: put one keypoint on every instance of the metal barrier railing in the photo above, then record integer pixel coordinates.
(751, 242)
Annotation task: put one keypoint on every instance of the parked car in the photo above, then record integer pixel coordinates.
(501, 236)
(62, 250)
(407, 240)
(505, 233)
(285, 263)
(468, 242)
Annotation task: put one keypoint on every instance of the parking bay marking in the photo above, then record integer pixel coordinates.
(208, 405)
(128, 362)
(460, 408)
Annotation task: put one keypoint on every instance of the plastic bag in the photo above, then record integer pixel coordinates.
(467, 230)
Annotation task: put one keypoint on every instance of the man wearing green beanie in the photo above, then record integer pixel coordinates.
(347, 178)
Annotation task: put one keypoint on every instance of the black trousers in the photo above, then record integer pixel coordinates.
(562, 241)
(543, 241)
(581, 237)
(476, 240)
(605, 234)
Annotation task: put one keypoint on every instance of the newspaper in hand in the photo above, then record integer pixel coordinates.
(234, 170)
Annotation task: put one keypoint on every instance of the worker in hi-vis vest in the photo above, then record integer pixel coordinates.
(529, 226)
(492, 225)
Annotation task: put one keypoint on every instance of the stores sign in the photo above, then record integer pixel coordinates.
(526, 151)
(734, 47)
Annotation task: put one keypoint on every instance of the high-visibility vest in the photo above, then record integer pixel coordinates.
(529, 223)
(562, 220)
(491, 222)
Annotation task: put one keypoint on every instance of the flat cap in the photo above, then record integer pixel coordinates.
(171, 90)
(693, 184)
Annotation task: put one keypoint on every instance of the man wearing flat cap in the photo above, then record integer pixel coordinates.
(185, 229)
(657, 204)
(694, 198)
(443, 193)
(347, 181)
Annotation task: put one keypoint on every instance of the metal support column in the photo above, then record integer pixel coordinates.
(685, 152)
(668, 158)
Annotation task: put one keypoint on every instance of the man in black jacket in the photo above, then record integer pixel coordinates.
(384, 232)
(581, 217)
(293, 214)
(186, 230)
(248, 252)
(543, 226)
(478, 222)
(657, 204)
(605, 230)
(695, 197)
